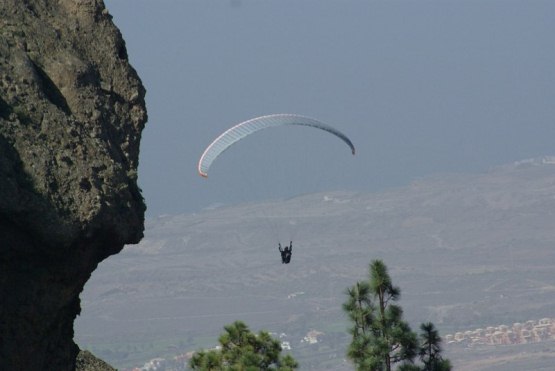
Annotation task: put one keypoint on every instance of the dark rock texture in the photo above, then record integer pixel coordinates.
(71, 114)
(86, 361)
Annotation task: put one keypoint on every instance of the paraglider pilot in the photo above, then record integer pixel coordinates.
(286, 253)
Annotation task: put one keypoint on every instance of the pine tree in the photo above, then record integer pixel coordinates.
(243, 350)
(380, 336)
(430, 349)
(361, 313)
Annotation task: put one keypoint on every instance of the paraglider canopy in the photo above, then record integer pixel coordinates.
(246, 128)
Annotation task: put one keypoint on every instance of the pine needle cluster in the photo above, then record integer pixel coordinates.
(380, 336)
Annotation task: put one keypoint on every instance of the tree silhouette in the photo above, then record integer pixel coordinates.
(430, 349)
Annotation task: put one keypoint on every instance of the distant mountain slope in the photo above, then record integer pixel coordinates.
(466, 250)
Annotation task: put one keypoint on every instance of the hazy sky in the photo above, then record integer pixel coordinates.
(421, 87)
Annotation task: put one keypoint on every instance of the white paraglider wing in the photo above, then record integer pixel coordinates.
(240, 131)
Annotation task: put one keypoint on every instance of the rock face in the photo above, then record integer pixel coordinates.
(71, 114)
(88, 362)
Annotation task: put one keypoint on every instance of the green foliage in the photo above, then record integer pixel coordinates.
(430, 349)
(380, 336)
(242, 350)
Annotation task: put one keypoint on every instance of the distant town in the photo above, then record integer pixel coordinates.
(518, 333)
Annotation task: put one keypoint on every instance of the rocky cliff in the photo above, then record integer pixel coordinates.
(71, 114)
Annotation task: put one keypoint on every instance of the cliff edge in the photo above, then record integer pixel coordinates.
(71, 114)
